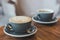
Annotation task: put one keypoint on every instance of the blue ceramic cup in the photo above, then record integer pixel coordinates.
(45, 15)
(19, 24)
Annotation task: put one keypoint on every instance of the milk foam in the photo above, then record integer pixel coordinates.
(20, 19)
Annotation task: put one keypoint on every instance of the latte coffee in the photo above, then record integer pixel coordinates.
(20, 19)
(19, 24)
(45, 15)
(45, 11)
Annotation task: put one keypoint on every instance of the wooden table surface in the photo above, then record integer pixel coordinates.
(45, 32)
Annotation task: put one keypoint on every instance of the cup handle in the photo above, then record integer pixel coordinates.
(9, 27)
(38, 16)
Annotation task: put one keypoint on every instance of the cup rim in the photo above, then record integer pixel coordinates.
(50, 11)
(20, 23)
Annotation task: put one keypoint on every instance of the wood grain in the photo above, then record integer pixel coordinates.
(45, 32)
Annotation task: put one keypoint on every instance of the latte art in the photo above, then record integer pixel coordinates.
(20, 19)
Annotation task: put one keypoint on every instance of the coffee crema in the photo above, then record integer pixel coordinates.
(20, 19)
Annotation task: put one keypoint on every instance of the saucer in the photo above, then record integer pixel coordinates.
(35, 19)
(32, 30)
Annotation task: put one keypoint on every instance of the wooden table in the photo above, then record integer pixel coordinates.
(45, 32)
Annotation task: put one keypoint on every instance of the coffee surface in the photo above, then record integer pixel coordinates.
(43, 11)
(20, 19)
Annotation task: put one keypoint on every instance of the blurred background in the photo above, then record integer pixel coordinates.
(10, 8)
